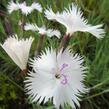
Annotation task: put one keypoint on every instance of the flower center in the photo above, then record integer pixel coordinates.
(58, 76)
(61, 75)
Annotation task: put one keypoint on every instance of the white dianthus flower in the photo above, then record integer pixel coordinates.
(57, 76)
(72, 18)
(23, 7)
(18, 50)
(42, 30)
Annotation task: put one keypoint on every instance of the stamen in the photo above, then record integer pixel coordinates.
(64, 80)
(63, 66)
(60, 75)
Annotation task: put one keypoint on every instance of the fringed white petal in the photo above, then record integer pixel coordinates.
(36, 6)
(51, 32)
(44, 85)
(18, 50)
(42, 30)
(95, 30)
(23, 7)
(72, 18)
(12, 6)
(49, 14)
(32, 27)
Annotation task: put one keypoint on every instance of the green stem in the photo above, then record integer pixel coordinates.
(99, 84)
(39, 45)
(8, 27)
(21, 24)
(41, 18)
(13, 82)
(2, 14)
(97, 94)
(24, 72)
(64, 42)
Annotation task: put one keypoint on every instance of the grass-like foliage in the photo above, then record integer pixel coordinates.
(95, 52)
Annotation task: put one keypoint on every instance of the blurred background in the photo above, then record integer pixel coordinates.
(95, 52)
